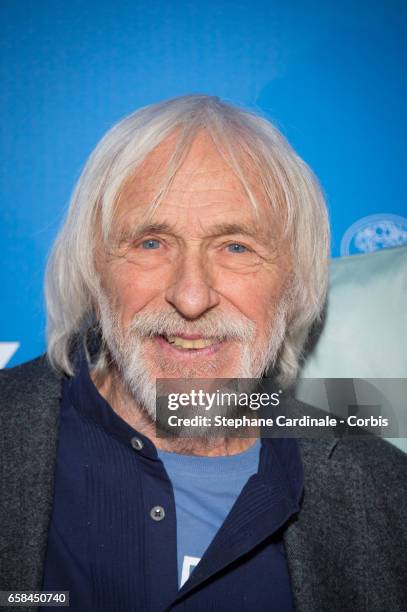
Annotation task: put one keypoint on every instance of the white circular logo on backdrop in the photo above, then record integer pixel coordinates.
(373, 233)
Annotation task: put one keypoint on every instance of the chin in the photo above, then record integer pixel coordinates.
(198, 371)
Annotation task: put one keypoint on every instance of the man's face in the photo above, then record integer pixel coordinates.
(196, 288)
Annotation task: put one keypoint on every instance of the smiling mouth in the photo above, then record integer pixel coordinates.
(190, 344)
(186, 343)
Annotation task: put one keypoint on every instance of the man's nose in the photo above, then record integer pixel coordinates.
(192, 292)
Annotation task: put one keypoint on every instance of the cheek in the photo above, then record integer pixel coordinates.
(130, 290)
(256, 296)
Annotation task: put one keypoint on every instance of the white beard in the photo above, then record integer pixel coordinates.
(127, 348)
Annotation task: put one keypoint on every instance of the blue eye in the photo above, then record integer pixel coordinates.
(237, 248)
(150, 244)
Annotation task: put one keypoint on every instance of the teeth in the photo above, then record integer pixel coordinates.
(190, 344)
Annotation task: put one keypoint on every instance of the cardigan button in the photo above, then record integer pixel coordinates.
(137, 443)
(157, 513)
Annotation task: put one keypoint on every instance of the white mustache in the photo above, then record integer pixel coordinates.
(210, 325)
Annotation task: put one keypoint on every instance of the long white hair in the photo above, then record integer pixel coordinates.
(242, 137)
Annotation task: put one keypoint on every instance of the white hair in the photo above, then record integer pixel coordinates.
(245, 140)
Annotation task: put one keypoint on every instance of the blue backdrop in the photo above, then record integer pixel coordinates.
(331, 75)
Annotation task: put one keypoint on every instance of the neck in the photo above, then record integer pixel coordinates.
(114, 392)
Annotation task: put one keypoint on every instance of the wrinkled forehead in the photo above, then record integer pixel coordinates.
(201, 168)
(182, 180)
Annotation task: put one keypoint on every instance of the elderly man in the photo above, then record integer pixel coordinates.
(195, 246)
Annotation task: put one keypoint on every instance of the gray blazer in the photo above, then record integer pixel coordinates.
(346, 549)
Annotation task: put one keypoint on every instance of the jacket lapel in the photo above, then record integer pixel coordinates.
(30, 414)
(325, 541)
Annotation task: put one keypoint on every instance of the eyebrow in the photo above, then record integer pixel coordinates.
(222, 229)
(129, 234)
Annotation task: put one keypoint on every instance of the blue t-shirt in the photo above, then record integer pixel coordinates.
(205, 489)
